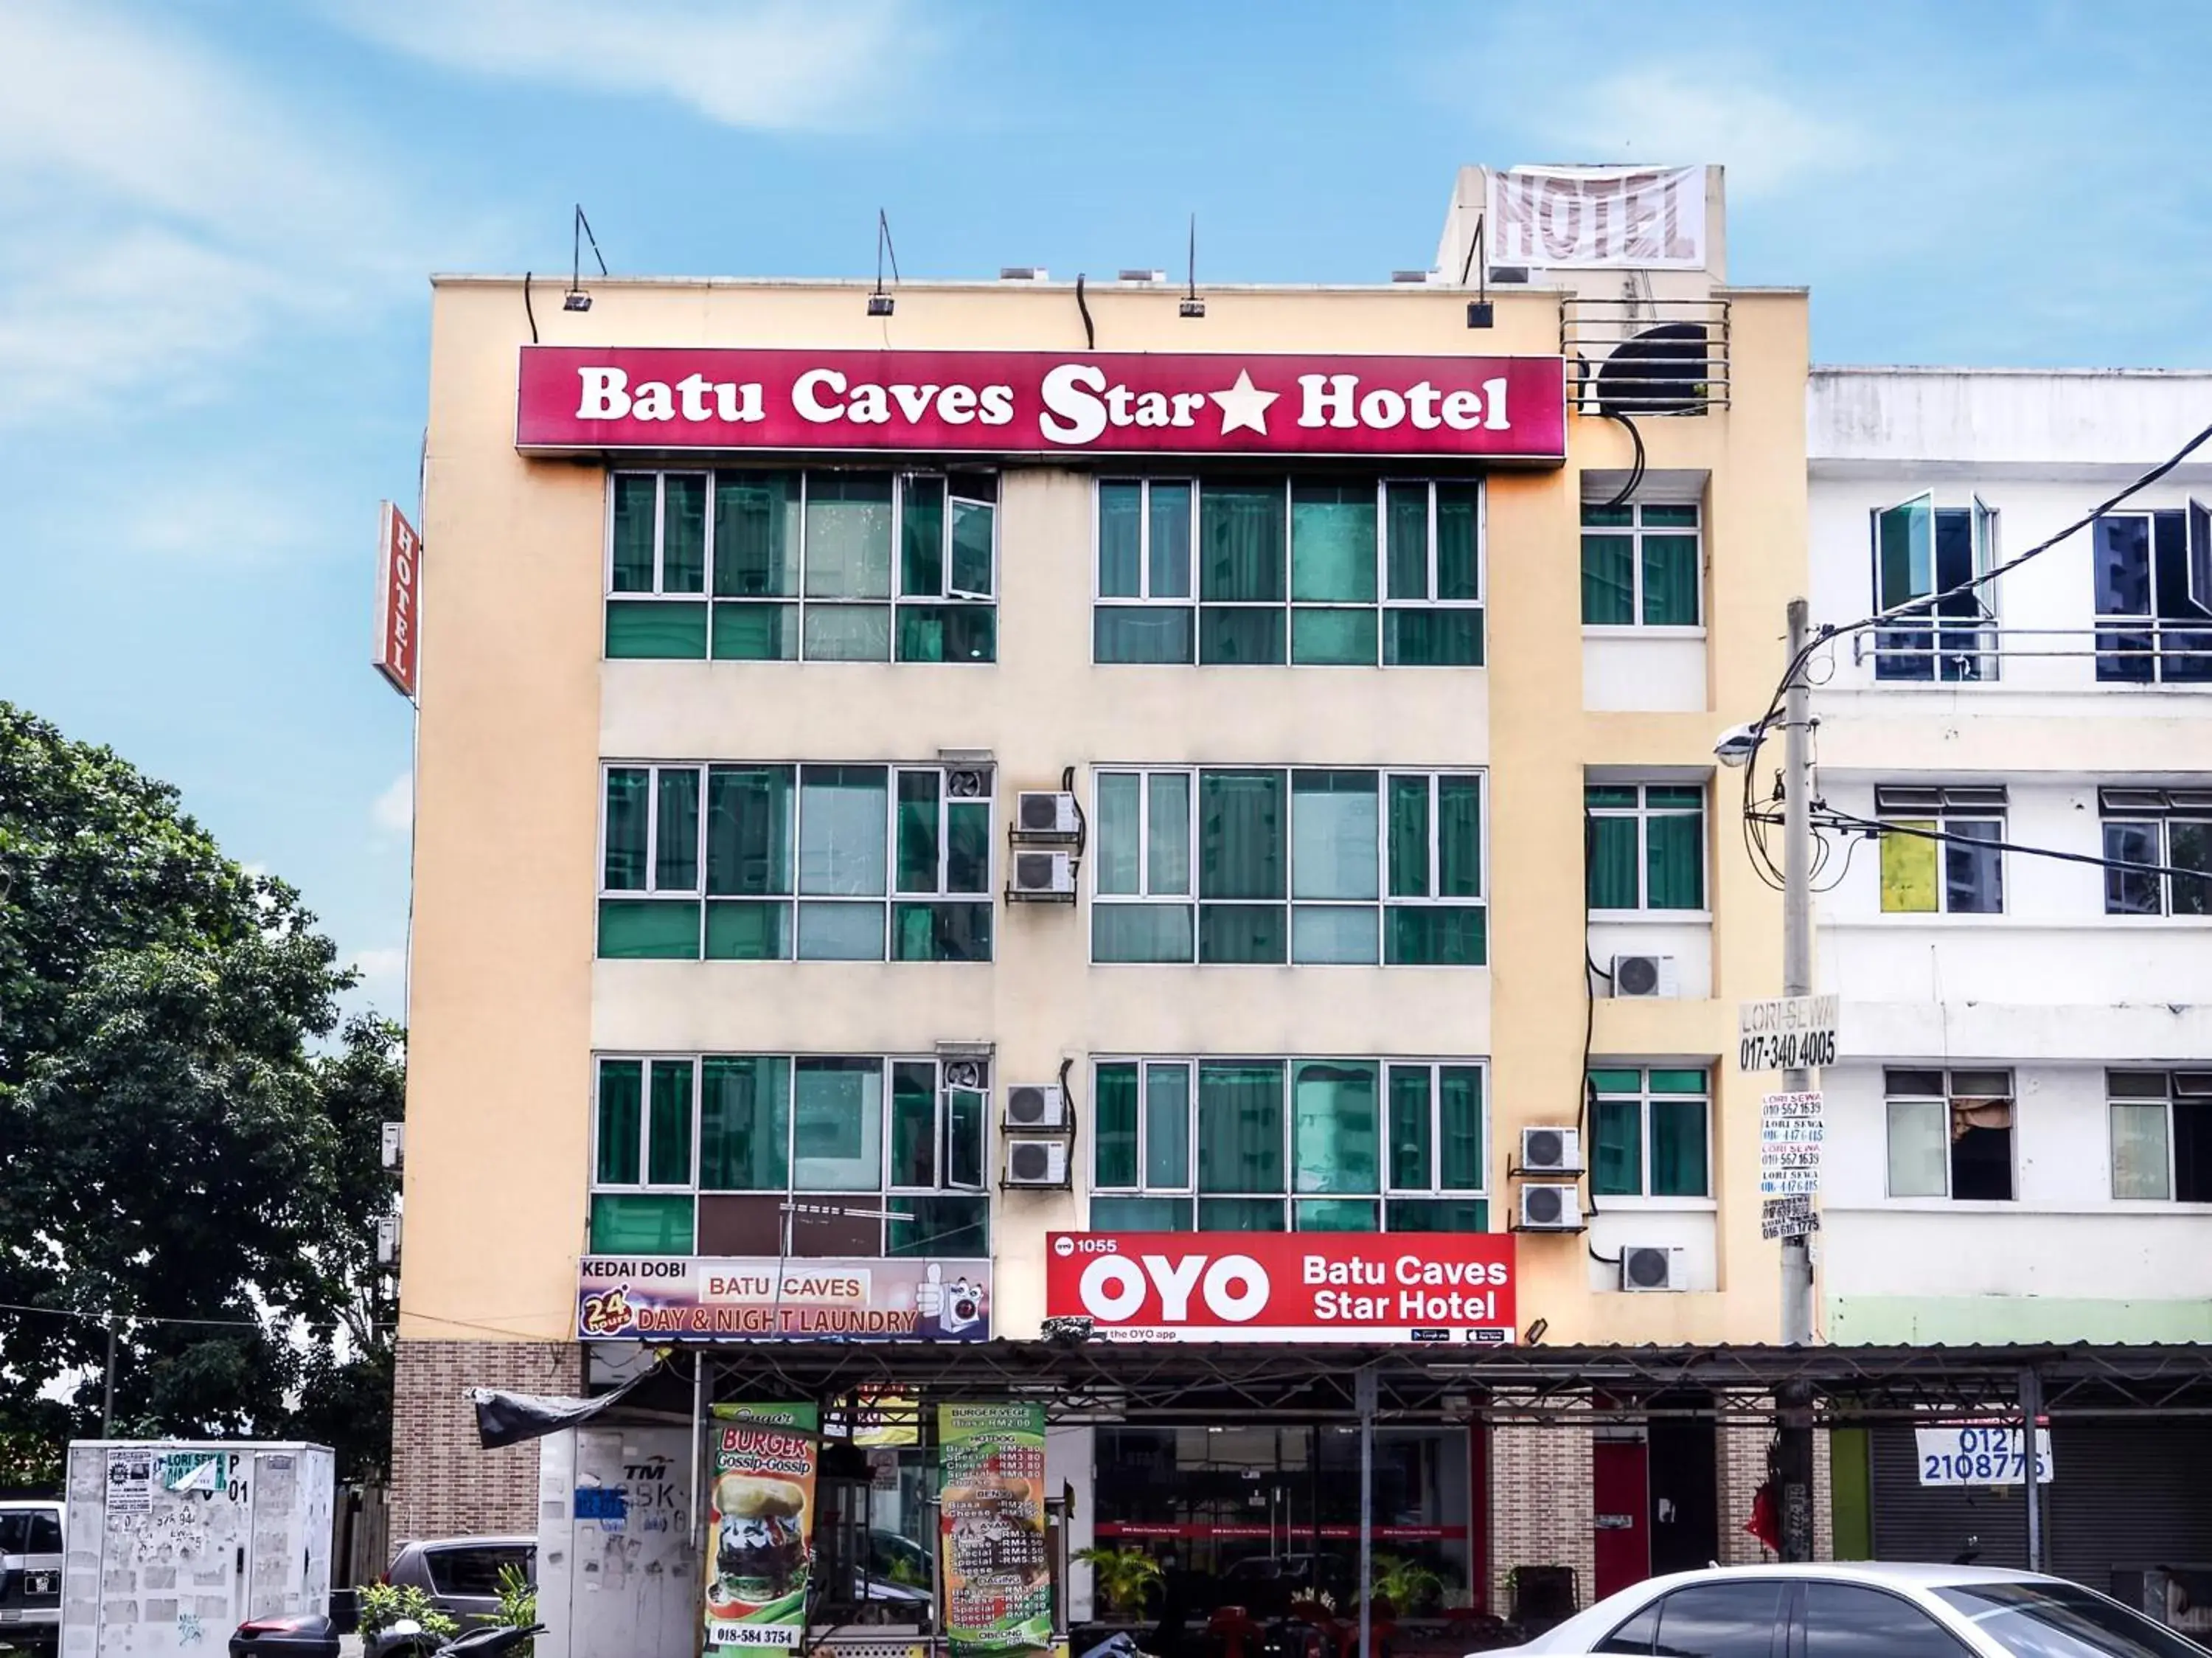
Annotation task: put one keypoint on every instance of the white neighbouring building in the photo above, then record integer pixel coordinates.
(2020, 1126)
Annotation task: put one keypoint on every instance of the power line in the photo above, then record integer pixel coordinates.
(1921, 614)
(1878, 827)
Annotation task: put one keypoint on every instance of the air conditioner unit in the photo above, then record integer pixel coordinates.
(387, 1240)
(395, 1144)
(1551, 1151)
(1649, 1266)
(1036, 1163)
(1046, 814)
(1645, 975)
(1048, 876)
(1551, 1206)
(1039, 1105)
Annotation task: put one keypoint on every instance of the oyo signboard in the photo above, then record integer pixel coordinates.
(591, 398)
(1286, 1286)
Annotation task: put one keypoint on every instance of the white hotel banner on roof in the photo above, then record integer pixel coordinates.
(1581, 217)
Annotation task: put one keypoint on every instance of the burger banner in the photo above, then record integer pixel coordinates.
(997, 1583)
(760, 1525)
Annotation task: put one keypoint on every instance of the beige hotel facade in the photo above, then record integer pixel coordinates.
(727, 703)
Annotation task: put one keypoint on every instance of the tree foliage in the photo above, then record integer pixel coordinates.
(174, 1148)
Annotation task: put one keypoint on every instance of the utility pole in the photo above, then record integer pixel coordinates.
(108, 1387)
(1794, 1448)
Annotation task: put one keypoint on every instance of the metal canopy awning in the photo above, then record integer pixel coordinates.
(1539, 1384)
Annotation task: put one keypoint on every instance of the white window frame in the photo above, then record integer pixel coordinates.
(1383, 601)
(885, 1187)
(1385, 1193)
(1636, 530)
(892, 895)
(949, 595)
(659, 589)
(1950, 1092)
(2165, 1103)
(1380, 603)
(1643, 1098)
(644, 1187)
(1145, 1065)
(1382, 903)
(799, 599)
(1642, 812)
(653, 769)
(1436, 1068)
(1983, 526)
(1143, 483)
(946, 797)
(1943, 817)
(2196, 809)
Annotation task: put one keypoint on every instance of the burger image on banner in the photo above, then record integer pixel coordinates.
(760, 1549)
(761, 1524)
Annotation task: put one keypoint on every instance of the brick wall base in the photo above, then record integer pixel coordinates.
(1540, 1506)
(443, 1483)
(1542, 1513)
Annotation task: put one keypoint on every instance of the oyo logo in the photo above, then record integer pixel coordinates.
(1117, 1288)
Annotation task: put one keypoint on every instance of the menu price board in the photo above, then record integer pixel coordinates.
(996, 1579)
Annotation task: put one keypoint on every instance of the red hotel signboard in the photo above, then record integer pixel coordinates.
(593, 398)
(1284, 1286)
(399, 584)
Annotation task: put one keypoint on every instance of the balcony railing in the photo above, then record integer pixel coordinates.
(1645, 356)
(2116, 650)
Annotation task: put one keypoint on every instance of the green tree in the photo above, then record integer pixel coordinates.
(345, 1398)
(167, 1154)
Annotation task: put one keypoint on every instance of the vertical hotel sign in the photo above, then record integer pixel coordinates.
(398, 589)
(760, 1525)
(997, 1583)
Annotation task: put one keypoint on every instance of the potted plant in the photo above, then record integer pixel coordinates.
(1406, 1583)
(1124, 1578)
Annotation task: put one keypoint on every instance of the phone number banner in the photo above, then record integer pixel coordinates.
(997, 1581)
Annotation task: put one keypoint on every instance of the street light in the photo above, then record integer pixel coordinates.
(1739, 742)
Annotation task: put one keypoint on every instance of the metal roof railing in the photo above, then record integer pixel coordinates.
(1640, 356)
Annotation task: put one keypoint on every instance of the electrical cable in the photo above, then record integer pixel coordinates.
(1089, 333)
(1926, 606)
(528, 309)
(1586, 1091)
(1635, 469)
(1879, 828)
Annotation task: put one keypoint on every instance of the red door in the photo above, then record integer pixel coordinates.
(1619, 1488)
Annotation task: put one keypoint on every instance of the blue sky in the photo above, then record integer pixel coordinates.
(216, 218)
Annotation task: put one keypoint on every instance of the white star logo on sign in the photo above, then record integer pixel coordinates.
(1244, 406)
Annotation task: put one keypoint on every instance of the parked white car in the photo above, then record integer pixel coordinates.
(1861, 1610)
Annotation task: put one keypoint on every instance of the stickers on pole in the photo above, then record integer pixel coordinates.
(760, 1525)
(1791, 1132)
(997, 1582)
(1786, 1033)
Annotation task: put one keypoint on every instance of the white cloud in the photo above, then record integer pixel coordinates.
(380, 966)
(762, 63)
(394, 811)
(167, 212)
(1769, 140)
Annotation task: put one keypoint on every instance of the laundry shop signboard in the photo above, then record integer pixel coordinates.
(592, 399)
(1284, 1287)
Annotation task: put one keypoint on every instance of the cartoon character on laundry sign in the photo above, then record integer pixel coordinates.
(953, 1308)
